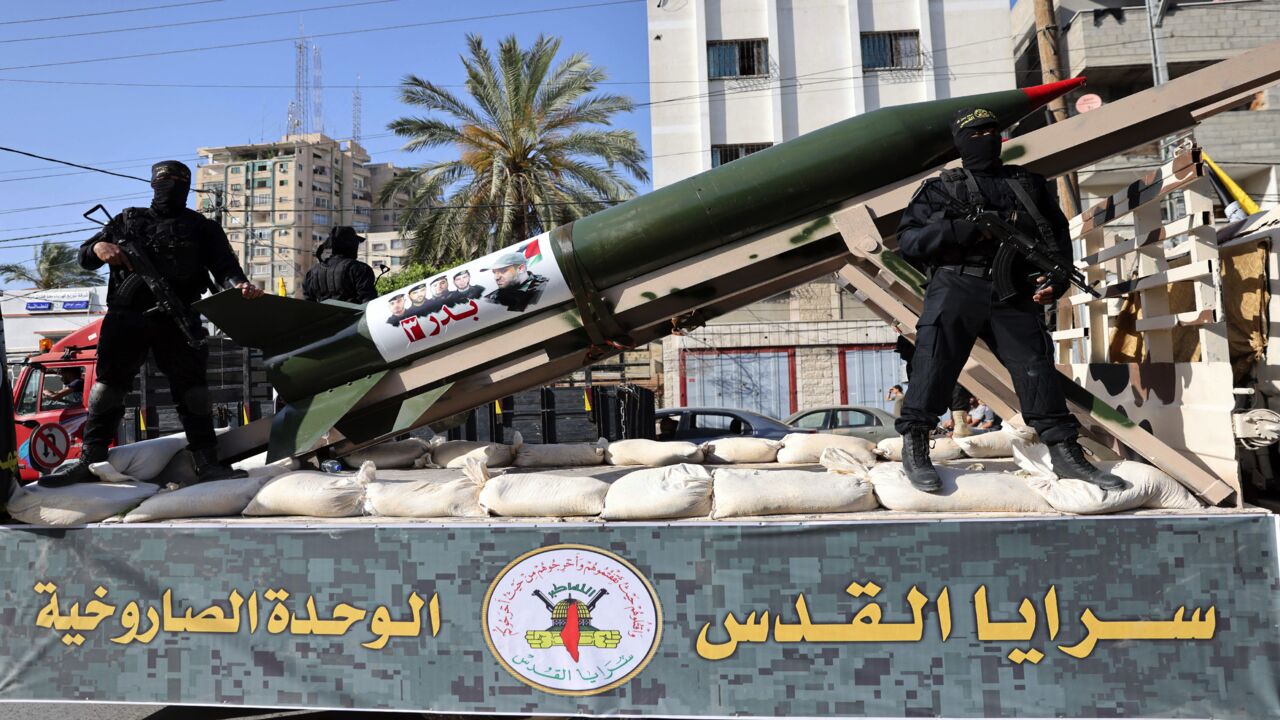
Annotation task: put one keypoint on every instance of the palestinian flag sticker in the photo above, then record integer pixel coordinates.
(572, 620)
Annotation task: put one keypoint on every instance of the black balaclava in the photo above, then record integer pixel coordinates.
(344, 241)
(979, 154)
(170, 181)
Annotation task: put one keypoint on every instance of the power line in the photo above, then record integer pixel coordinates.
(207, 21)
(71, 164)
(109, 12)
(338, 33)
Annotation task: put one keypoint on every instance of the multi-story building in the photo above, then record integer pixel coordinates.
(277, 201)
(731, 77)
(1109, 43)
(385, 249)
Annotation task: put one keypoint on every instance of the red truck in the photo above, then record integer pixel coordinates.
(237, 385)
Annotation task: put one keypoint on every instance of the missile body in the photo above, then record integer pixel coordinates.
(324, 357)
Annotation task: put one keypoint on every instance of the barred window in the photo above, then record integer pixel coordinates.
(721, 154)
(891, 50)
(737, 58)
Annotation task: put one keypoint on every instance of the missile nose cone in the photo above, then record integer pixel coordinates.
(1041, 94)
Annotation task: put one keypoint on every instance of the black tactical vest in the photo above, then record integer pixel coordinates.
(332, 280)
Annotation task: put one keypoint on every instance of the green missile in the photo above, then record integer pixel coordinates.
(323, 358)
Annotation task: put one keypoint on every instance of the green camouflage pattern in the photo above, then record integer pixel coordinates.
(1135, 568)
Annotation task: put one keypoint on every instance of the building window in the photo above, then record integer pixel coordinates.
(395, 262)
(397, 244)
(378, 247)
(282, 217)
(234, 236)
(891, 50)
(262, 167)
(282, 167)
(261, 252)
(236, 186)
(737, 58)
(320, 219)
(721, 154)
(759, 380)
(322, 202)
(235, 170)
(284, 183)
(261, 183)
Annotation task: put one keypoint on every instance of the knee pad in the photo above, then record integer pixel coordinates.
(196, 401)
(105, 398)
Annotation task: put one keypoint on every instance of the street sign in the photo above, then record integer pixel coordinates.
(49, 446)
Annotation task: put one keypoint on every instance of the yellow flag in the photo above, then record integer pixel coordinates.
(497, 407)
(280, 288)
(586, 399)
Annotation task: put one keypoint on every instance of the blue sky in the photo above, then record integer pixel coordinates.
(126, 128)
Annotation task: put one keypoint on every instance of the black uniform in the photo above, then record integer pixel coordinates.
(960, 304)
(341, 276)
(185, 247)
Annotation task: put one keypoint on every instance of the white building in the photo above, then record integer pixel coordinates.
(730, 77)
(33, 315)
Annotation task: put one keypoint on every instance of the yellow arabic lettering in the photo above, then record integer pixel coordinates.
(385, 628)
(214, 620)
(280, 617)
(989, 631)
(1195, 628)
(1051, 611)
(944, 612)
(750, 630)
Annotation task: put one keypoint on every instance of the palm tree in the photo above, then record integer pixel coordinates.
(534, 151)
(57, 265)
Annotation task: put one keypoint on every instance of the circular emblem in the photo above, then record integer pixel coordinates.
(572, 620)
(49, 446)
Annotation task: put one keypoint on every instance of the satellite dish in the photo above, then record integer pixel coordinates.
(1087, 102)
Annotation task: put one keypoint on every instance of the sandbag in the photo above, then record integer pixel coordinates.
(651, 452)
(397, 454)
(741, 450)
(673, 491)
(561, 454)
(453, 454)
(76, 504)
(806, 448)
(142, 460)
(459, 497)
(180, 471)
(537, 494)
(1147, 487)
(962, 491)
(941, 449)
(838, 460)
(220, 498)
(744, 493)
(313, 494)
(998, 444)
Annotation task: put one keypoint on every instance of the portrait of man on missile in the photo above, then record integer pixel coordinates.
(396, 305)
(417, 300)
(463, 290)
(517, 287)
(939, 231)
(439, 292)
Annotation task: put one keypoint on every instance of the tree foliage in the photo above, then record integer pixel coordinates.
(56, 265)
(534, 150)
(408, 275)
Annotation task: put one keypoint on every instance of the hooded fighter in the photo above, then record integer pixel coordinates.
(185, 247)
(340, 276)
(960, 305)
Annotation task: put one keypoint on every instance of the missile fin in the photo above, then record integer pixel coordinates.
(275, 324)
(391, 419)
(300, 425)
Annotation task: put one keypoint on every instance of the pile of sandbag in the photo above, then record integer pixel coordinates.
(76, 504)
(941, 449)
(394, 454)
(1147, 486)
(311, 493)
(807, 448)
(652, 453)
(454, 454)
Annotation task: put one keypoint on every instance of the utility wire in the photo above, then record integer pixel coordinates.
(71, 164)
(109, 12)
(339, 6)
(338, 33)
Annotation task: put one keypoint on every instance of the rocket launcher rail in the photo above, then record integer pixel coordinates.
(713, 243)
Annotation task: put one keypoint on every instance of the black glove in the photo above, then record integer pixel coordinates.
(966, 234)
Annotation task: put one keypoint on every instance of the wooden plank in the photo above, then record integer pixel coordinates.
(1194, 271)
(1184, 319)
(1068, 335)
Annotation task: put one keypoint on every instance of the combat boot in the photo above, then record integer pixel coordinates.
(1068, 461)
(960, 424)
(77, 472)
(916, 462)
(209, 469)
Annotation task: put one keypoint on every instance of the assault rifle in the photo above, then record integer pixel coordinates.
(144, 272)
(1015, 243)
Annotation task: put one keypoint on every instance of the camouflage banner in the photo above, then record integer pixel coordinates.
(1137, 616)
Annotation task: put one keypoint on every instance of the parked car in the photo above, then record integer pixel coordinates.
(868, 423)
(702, 424)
